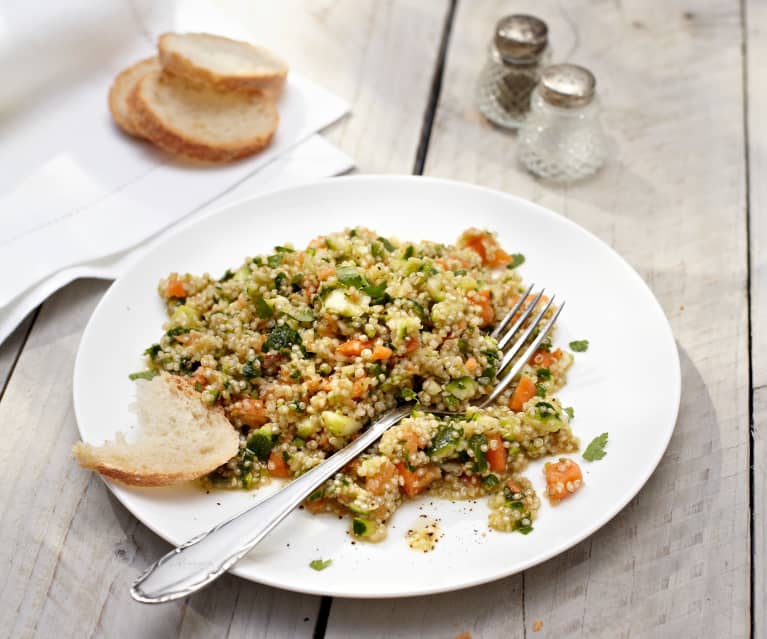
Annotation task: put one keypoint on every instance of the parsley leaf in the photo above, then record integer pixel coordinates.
(579, 345)
(540, 390)
(596, 449)
(517, 259)
(570, 411)
(350, 276)
(319, 564)
(387, 244)
(147, 374)
(263, 310)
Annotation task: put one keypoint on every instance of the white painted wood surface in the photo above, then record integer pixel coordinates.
(756, 90)
(676, 562)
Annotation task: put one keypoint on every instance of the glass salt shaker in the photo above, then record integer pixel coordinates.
(562, 139)
(517, 54)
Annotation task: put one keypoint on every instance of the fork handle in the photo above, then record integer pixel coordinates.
(206, 557)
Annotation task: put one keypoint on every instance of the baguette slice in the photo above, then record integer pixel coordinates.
(229, 65)
(121, 89)
(200, 122)
(180, 439)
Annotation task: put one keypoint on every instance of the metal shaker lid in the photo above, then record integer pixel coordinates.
(521, 38)
(567, 85)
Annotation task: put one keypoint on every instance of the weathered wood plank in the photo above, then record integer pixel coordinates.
(9, 350)
(379, 56)
(72, 548)
(756, 95)
(675, 562)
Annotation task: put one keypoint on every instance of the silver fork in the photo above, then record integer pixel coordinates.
(202, 559)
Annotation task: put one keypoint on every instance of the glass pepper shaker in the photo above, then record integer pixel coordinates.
(516, 55)
(562, 139)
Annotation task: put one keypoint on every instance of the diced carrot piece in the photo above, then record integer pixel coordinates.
(350, 348)
(514, 486)
(249, 411)
(496, 457)
(442, 263)
(316, 505)
(563, 478)
(376, 484)
(412, 344)
(471, 364)
(276, 465)
(487, 247)
(199, 380)
(175, 287)
(326, 273)
(487, 313)
(382, 352)
(524, 391)
(545, 359)
(360, 387)
(418, 480)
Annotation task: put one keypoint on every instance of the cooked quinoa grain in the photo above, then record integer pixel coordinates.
(303, 348)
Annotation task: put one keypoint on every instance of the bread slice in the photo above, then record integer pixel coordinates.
(121, 89)
(181, 438)
(229, 65)
(199, 121)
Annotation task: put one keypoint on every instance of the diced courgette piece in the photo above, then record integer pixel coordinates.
(363, 527)
(444, 443)
(339, 424)
(307, 427)
(480, 456)
(402, 326)
(185, 316)
(463, 388)
(339, 303)
(260, 443)
(435, 288)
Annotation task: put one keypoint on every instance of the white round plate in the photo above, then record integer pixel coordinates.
(632, 356)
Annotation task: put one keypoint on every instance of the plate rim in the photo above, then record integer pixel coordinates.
(333, 182)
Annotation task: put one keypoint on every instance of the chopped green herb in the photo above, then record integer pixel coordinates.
(147, 374)
(525, 530)
(517, 259)
(463, 346)
(250, 371)
(544, 374)
(319, 564)
(260, 444)
(152, 351)
(350, 276)
(387, 244)
(173, 333)
(545, 345)
(570, 411)
(476, 442)
(228, 275)
(283, 249)
(545, 410)
(274, 260)
(490, 482)
(263, 310)
(540, 390)
(579, 345)
(409, 252)
(377, 293)
(596, 449)
(408, 394)
(377, 250)
(280, 280)
(282, 337)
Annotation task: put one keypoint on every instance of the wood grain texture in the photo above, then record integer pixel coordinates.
(10, 349)
(756, 90)
(71, 548)
(672, 200)
(380, 56)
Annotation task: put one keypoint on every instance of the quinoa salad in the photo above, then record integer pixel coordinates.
(304, 347)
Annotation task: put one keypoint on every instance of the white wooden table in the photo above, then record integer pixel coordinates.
(684, 88)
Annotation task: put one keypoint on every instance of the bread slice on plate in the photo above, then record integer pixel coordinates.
(121, 89)
(227, 64)
(200, 122)
(181, 438)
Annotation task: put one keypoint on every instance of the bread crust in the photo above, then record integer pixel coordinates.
(269, 84)
(121, 112)
(91, 457)
(171, 138)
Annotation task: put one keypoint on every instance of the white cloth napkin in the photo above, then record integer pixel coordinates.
(310, 160)
(73, 188)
